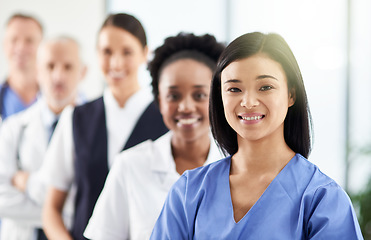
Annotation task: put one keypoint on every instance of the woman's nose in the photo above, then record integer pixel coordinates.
(186, 105)
(116, 61)
(249, 100)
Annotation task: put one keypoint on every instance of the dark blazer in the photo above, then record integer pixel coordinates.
(91, 164)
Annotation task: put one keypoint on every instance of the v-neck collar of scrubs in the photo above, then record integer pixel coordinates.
(266, 194)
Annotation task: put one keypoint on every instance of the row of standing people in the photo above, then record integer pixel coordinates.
(122, 49)
(259, 117)
(264, 189)
(124, 116)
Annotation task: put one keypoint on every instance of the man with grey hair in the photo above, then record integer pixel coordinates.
(23, 34)
(24, 138)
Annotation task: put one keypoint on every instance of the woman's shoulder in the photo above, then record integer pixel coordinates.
(144, 153)
(195, 183)
(136, 154)
(90, 105)
(209, 171)
(310, 171)
(323, 196)
(314, 183)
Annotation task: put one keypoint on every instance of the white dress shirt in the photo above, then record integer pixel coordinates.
(59, 167)
(136, 189)
(23, 143)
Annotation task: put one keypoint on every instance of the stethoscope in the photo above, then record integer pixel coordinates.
(2, 95)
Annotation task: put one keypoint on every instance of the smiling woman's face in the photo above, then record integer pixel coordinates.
(255, 97)
(184, 98)
(120, 54)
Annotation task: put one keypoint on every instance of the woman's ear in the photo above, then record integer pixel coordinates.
(292, 97)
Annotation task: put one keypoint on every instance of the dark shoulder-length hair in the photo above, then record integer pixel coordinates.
(297, 124)
(128, 23)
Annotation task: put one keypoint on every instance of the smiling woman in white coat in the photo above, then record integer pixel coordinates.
(89, 137)
(141, 177)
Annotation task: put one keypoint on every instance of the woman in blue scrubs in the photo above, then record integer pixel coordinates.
(266, 188)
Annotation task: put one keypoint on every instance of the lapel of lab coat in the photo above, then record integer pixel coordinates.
(34, 139)
(163, 164)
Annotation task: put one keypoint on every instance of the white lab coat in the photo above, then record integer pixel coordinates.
(20, 212)
(136, 189)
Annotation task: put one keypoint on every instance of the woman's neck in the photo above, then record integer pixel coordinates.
(264, 155)
(123, 92)
(190, 154)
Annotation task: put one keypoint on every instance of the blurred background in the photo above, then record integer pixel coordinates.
(331, 40)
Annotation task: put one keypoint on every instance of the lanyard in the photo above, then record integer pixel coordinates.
(2, 96)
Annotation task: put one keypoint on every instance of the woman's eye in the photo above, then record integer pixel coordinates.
(266, 88)
(199, 96)
(127, 52)
(107, 52)
(172, 97)
(234, 90)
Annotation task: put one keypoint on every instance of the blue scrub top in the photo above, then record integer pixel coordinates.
(300, 203)
(11, 102)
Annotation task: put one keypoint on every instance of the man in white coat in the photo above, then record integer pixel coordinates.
(24, 138)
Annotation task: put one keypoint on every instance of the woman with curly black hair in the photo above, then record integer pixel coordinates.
(141, 177)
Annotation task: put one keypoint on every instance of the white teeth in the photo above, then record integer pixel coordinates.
(187, 120)
(115, 74)
(252, 118)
